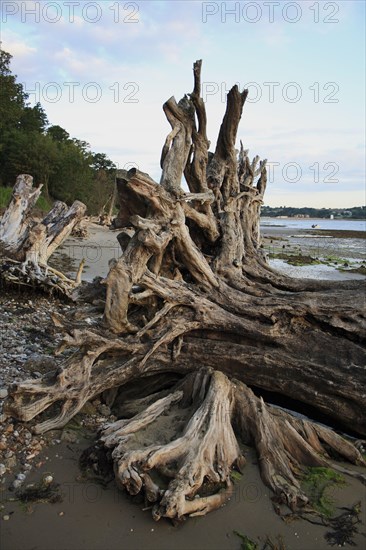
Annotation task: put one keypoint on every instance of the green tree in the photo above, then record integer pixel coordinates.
(34, 119)
(65, 166)
(58, 134)
(12, 96)
(30, 153)
(72, 179)
(100, 161)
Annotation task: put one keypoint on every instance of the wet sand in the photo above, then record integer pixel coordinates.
(318, 271)
(97, 249)
(93, 518)
(101, 245)
(340, 253)
(340, 233)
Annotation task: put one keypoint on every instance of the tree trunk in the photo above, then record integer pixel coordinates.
(193, 316)
(105, 217)
(112, 203)
(26, 245)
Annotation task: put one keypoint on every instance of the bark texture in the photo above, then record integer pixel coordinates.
(26, 244)
(194, 316)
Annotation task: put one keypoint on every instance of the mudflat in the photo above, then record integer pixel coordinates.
(93, 517)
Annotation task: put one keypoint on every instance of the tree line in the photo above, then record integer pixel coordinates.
(66, 166)
(356, 212)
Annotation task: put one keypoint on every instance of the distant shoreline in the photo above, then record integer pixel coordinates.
(345, 218)
(336, 233)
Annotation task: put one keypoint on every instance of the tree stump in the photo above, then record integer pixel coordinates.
(26, 244)
(194, 317)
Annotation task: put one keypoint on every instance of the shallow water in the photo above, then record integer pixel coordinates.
(323, 223)
(343, 249)
(101, 246)
(320, 247)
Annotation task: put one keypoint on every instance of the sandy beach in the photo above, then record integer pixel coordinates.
(196, 378)
(102, 245)
(92, 517)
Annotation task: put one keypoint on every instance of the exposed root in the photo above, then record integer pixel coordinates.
(286, 444)
(192, 290)
(202, 452)
(71, 386)
(189, 433)
(191, 446)
(37, 277)
(99, 363)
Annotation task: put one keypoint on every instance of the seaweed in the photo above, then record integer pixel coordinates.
(43, 491)
(316, 483)
(321, 511)
(247, 543)
(235, 476)
(269, 544)
(278, 544)
(344, 526)
(96, 464)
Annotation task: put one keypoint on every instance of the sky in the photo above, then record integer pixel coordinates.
(102, 71)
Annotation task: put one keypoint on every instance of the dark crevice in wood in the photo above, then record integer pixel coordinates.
(194, 316)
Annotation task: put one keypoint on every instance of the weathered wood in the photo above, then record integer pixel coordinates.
(15, 221)
(45, 237)
(177, 145)
(31, 242)
(193, 296)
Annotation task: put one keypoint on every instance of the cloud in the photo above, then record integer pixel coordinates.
(12, 42)
(152, 60)
(75, 64)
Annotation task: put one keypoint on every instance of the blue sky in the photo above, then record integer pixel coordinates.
(102, 71)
